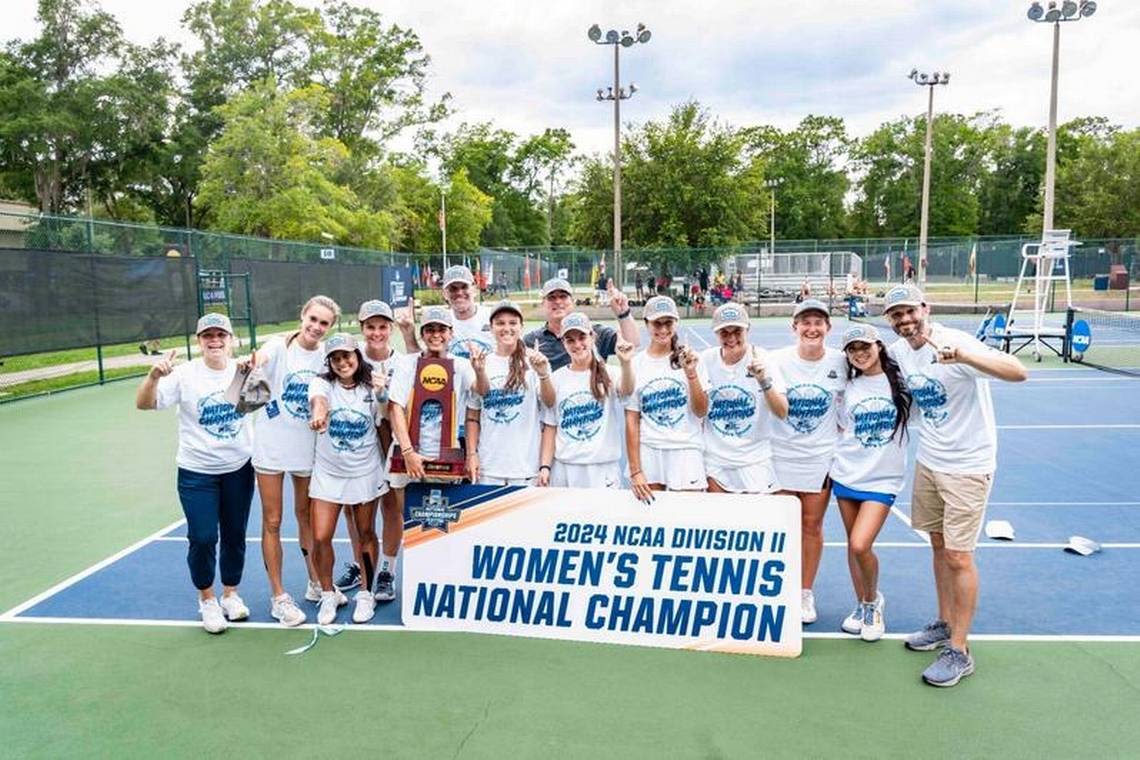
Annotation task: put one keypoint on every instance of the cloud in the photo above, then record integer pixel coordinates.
(528, 65)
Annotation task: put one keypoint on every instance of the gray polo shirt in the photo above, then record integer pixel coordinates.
(605, 339)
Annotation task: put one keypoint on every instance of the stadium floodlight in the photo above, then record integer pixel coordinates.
(617, 94)
(930, 81)
(1070, 10)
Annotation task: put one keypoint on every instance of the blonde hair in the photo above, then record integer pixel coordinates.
(317, 300)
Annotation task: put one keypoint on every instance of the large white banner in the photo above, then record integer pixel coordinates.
(714, 572)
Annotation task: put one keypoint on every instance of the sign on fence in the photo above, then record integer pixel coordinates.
(692, 571)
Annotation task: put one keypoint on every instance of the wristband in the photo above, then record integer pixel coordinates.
(624, 314)
(633, 475)
(542, 467)
(544, 377)
(408, 450)
(765, 384)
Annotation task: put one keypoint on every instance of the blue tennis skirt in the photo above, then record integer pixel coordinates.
(843, 492)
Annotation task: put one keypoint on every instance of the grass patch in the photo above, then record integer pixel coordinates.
(68, 382)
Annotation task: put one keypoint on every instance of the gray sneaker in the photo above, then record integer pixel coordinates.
(951, 667)
(935, 634)
(385, 586)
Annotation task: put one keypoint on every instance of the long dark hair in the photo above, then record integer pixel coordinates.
(900, 393)
(599, 377)
(362, 376)
(516, 377)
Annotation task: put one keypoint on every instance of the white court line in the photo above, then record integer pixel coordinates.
(902, 516)
(698, 336)
(11, 614)
(981, 545)
(1129, 426)
(252, 539)
(998, 637)
(1050, 503)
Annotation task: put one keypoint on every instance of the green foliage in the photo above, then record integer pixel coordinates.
(270, 173)
(810, 163)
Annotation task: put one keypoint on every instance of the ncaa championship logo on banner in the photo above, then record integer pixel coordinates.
(595, 565)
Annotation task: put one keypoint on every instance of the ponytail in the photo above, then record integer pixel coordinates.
(600, 382)
(675, 352)
(516, 377)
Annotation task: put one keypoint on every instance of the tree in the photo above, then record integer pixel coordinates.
(1009, 188)
(269, 173)
(83, 108)
(890, 161)
(375, 76)
(686, 184)
(544, 157)
(810, 160)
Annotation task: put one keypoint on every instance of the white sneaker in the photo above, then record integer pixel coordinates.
(313, 592)
(234, 608)
(853, 623)
(330, 601)
(365, 607)
(212, 618)
(807, 606)
(881, 602)
(286, 611)
(873, 625)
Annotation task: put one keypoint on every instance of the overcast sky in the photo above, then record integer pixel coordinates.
(528, 65)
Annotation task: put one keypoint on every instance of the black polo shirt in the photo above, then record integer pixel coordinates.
(605, 339)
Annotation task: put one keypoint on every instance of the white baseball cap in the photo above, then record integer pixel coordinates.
(555, 285)
(212, 321)
(374, 308)
(660, 307)
(902, 295)
(575, 321)
(730, 315)
(811, 304)
(339, 342)
(438, 315)
(860, 334)
(457, 273)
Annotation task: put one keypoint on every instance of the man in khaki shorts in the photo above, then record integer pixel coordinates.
(948, 374)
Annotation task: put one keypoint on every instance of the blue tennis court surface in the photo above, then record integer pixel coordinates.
(1068, 464)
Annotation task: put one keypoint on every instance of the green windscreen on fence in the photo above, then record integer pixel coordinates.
(280, 288)
(54, 300)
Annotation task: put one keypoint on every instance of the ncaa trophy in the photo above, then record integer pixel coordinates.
(433, 384)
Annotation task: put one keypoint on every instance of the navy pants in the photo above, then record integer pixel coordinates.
(213, 505)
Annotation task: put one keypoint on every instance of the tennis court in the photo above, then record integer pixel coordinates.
(101, 649)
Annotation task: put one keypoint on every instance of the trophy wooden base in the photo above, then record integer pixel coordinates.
(449, 465)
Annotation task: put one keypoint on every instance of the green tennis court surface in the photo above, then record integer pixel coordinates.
(84, 476)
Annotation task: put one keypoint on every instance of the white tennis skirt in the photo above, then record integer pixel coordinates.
(601, 475)
(357, 489)
(759, 477)
(803, 476)
(676, 469)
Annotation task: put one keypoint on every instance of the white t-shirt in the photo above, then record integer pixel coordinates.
(958, 433)
(283, 441)
(661, 395)
(476, 329)
(867, 458)
(349, 446)
(589, 431)
(431, 412)
(510, 423)
(738, 427)
(815, 392)
(212, 437)
(389, 368)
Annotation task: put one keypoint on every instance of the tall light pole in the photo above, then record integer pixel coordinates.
(1069, 11)
(928, 81)
(771, 183)
(617, 94)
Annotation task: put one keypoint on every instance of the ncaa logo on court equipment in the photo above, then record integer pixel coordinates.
(433, 378)
(434, 512)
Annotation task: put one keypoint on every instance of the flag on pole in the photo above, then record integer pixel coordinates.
(887, 266)
(974, 261)
(526, 273)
